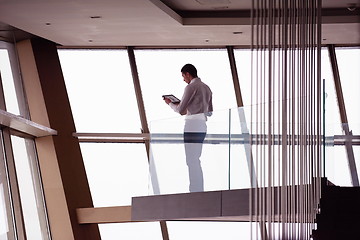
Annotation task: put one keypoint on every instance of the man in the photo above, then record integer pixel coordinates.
(196, 104)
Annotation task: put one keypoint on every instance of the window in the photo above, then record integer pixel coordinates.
(348, 62)
(100, 89)
(159, 73)
(130, 231)
(22, 207)
(30, 188)
(7, 77)
(116, 172)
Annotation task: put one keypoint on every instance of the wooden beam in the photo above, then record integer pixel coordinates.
(235, 76)
(119, 214)
(24, 125)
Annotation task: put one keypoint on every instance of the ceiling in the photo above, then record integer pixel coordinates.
(110, 23)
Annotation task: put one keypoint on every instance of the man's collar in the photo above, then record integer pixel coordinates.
(194, 80)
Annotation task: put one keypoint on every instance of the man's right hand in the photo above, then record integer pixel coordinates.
(167, 100)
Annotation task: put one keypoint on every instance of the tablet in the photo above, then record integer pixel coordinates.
(172, 98)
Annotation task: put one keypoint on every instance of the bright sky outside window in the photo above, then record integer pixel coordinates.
(31, 200)
(163, 76)
(5, 221)
(131, 231)
(8, 81)
(116, 172)
(350, 82)
(332, 114)
(101, 91)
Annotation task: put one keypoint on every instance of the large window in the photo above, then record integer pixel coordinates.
(22, 205)
(30, 188)
(349, 62)
(336, 157)
(7, 68)
(116, 172)
(159, 73)
(101, 91)
(102, 97)
(6, 210)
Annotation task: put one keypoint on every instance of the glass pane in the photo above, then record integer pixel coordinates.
(116, 172)
(100, 89)
(164, 77)
(6, 226)
(332, 114)
(131, 231)
(30, 190)
(209, 230)
(357, 158)
(8, 80)
(196, 166)
(337, 167)
(222, 165)
(349, 61)
(241, 157)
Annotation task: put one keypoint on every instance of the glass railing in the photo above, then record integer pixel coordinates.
(342, 154)
(183, 162)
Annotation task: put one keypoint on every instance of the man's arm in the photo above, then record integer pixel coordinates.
(181, 107)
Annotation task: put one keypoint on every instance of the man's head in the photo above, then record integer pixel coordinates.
(188, 72)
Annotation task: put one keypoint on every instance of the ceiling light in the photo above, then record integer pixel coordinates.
(351, 6)
(220, 8)
(211, 2)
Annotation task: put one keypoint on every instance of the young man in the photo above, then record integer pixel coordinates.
(196, 104)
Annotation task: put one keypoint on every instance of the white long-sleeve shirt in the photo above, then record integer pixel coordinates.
(197, 98)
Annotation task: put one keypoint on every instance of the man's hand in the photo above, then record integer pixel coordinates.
(167, 100)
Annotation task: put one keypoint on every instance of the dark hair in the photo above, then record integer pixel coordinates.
(189, 68)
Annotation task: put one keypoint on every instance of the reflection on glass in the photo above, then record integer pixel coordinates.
(116, 172)
(30, 191)
(100, 89)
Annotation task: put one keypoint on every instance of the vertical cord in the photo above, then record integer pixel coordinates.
(251, 199)
(255, 119)
(269, 117)
(286, 118)
(229, 166)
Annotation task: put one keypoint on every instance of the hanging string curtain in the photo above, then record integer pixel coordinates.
(286, 107)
